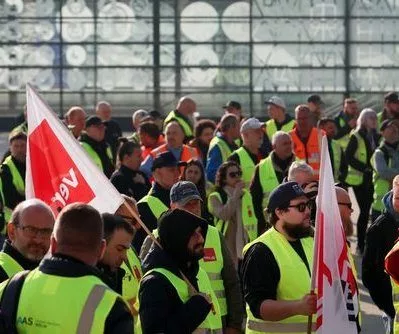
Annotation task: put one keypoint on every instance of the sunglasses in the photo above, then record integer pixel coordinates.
(349, 205)
(301, 207)
(235, 174)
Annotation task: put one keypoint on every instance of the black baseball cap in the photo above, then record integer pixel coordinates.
(315, 99)
(232, 104)
(93, 120)
(391, 97)
(283, 194)
(166, 159)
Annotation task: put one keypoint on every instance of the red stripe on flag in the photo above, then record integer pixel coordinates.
(55, 177)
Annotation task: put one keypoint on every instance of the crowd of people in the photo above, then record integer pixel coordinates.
(231, 205)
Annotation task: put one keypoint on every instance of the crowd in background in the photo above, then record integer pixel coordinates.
(235, 163)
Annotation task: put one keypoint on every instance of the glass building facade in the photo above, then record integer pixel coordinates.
(146, 54)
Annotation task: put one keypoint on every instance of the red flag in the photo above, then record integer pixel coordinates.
(332, 277)
(58, 170)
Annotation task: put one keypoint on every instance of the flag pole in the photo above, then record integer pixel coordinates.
(134, 214)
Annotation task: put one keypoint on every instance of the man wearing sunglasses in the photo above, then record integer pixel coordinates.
(277, 266)
(29, 232)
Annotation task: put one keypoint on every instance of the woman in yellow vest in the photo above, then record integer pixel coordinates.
(362, 143)
(231, 205)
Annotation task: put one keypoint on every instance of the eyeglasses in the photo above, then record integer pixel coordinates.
(32, 232)
(349, 205)
(301, 207)
(235, 174)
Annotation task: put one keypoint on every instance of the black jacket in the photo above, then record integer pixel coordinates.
(380, 238)
(342, 129)
(147, 216)
(351, 149)
(119, 319)
(101, 149)
(11, 196)
(114, 279)
(112, 133)
(161, 310)
(17, 256)
(131, 183)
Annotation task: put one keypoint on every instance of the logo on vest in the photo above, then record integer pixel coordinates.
(209, 255)
(27, 321)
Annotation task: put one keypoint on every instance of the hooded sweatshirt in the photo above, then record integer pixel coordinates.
(380, 238)
(161, 309)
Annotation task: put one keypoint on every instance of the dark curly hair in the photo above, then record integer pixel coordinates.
(221, 174)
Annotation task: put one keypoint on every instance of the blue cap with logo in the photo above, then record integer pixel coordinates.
(283, 194)
(184, 191)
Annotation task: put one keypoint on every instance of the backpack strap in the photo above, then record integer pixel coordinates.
(10, 298)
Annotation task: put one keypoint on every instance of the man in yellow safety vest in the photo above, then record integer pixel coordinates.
(277, 266)
(175, 294)
(29, 232)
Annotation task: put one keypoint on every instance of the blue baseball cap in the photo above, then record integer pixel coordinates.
(184, 191)
(283, 195)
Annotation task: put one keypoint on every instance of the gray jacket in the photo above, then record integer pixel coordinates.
(380, 164)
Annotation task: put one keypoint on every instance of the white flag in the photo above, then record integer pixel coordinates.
(332, 276)
(58, 170)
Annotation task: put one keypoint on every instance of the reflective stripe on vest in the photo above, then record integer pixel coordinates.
(9, 265)
(246, 163)
(294, 281)
(271, 127)
(155, 204)
(225, 150)
(248, 217)
(130, 284)
(355, 177)
(337, 154)
(381, 186)
(86, 304)
(268, 179)
(173, 116)
(94, 155)
(187, 152)
(277, 327)
(309, 152)
(213, 321)
(212, 263)
(17, 179)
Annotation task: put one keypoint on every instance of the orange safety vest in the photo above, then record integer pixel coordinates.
(187, 152)
(310, 153)
(146, 151)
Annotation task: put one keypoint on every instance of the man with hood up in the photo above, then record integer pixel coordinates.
(168, 303)
(380, 238)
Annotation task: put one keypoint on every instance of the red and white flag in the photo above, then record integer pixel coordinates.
(332, 277)
(58, 170)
